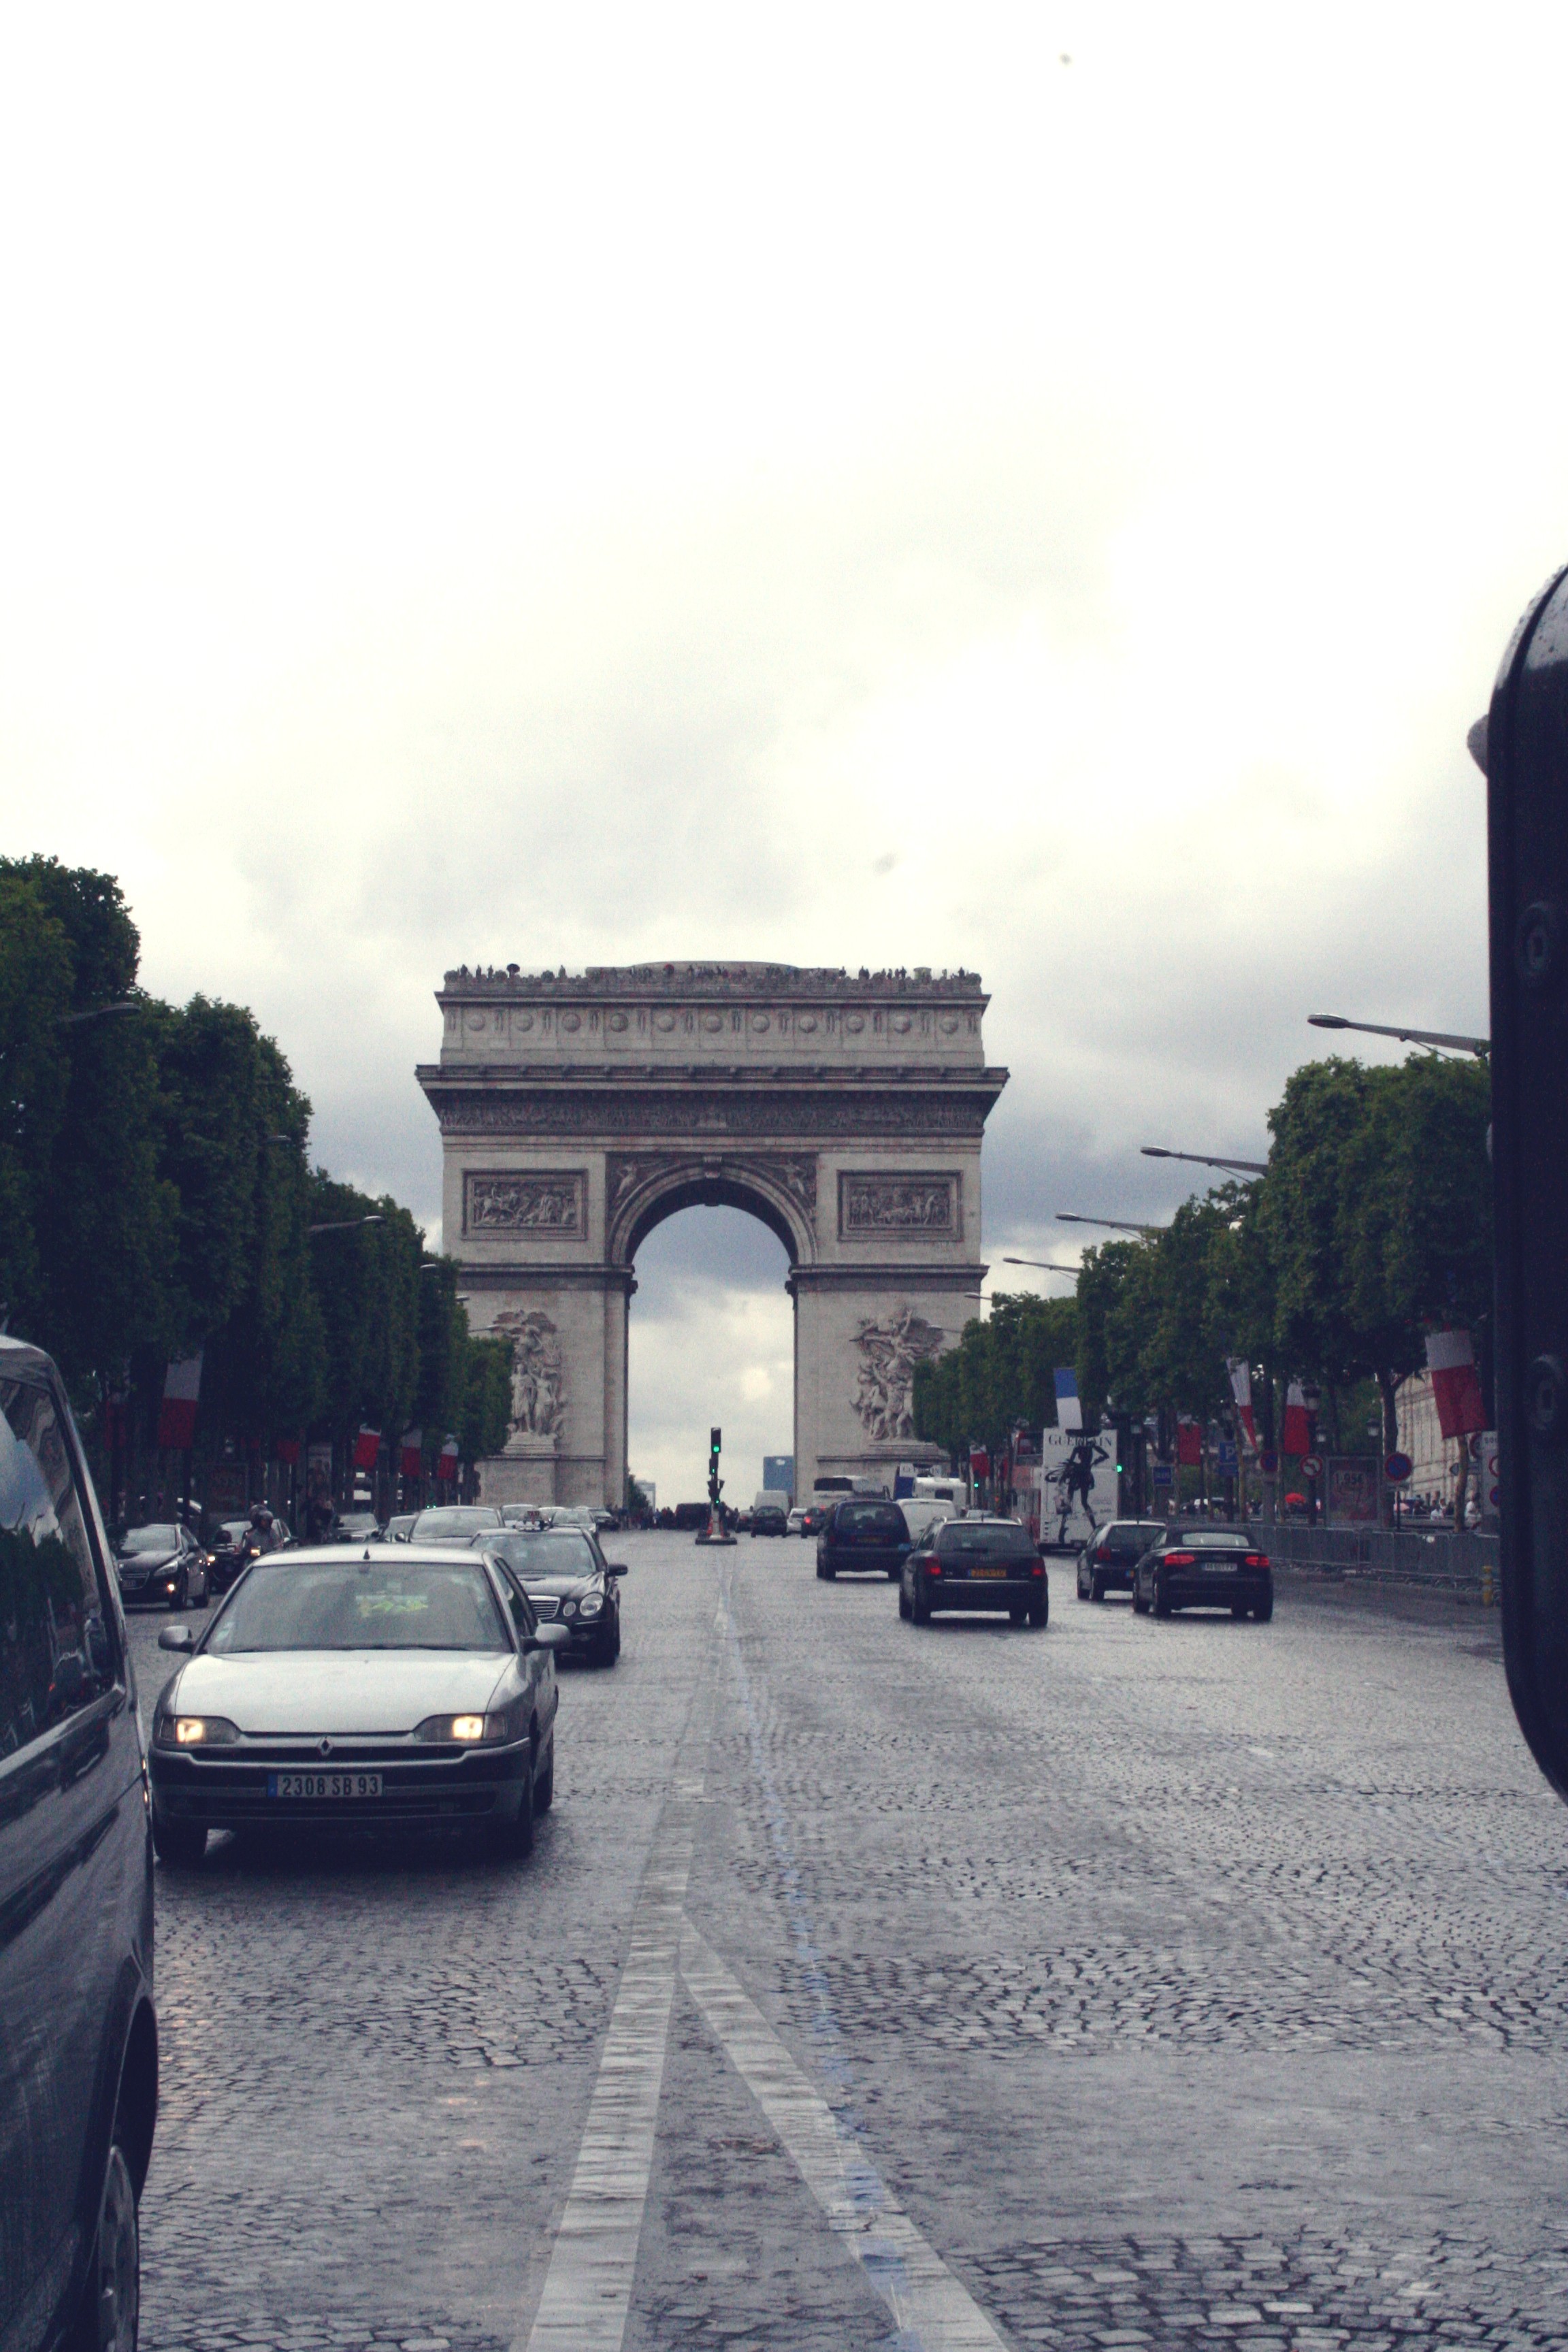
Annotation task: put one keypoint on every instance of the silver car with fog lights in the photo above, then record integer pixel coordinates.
(387, 1686)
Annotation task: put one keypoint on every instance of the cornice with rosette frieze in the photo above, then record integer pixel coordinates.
(701, 1113)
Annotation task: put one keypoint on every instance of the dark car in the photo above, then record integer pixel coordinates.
(163, 1564)
(862, 1537)
(79, 2041)
(1108, 1559)
(568, 1581)
(975, 1564)
(769, 1519)
(816, 1518)
(393, 1688)
(453, 1522)
(356, 1527)
(1198, 1566)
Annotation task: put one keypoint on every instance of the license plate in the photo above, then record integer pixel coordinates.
(1219, 1568)
(988, 1571)
(323, 1784)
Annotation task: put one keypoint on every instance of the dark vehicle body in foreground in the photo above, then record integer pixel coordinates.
(862, 1537)
(366, 1688)
(1108, 1559)
(1191, 1566)
(79, 2039)
(975, 1564)
(568, 1581)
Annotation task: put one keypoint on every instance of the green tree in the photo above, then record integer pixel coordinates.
(486, 1420)
(36, 975)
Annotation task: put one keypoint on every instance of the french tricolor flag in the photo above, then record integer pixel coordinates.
(446, 1467)
(177, 1412)
(1456, 1387)
(411, 1457)
(1069, 1412)
(367, 1446)
(1298, 1438)
(1240, 1372)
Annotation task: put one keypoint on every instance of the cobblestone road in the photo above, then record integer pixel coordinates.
(1162, 1983)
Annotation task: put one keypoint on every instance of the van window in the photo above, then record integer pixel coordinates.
(48, 1591)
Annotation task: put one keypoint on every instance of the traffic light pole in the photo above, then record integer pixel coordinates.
(715, 1532)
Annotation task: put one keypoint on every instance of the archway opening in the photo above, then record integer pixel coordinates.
(710, 1339)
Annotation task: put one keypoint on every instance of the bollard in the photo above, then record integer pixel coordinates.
(1489, 1597)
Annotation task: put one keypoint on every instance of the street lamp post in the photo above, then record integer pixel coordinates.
(1045, 1266)
(1116, 1225)
(1205, 1160)
(1439, 1038)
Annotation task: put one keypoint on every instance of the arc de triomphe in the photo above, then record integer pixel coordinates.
(577, 1114)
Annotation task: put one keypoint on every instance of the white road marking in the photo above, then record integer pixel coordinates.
(588, 2285)
(933, 2312)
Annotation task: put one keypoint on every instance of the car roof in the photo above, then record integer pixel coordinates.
(397, 1555)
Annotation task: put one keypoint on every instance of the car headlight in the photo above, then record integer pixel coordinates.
(568, 1609)
(465, 1730)
(195, 1731)
(592, 1605)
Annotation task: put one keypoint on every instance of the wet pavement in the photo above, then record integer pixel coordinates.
(1130, 1982)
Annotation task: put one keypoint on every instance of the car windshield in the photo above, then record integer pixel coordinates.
(543, 1553)
(1134, 1531)
(868, 1517)
(361, 1605)
(1213, 1539)
(456, 1522)
(962, 1539)
(151, 1539)
(357, 1523)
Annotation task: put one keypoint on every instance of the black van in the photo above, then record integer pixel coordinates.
(861, 1534)
(79, 2039)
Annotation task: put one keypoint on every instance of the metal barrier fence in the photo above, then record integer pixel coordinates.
(1466, 1565)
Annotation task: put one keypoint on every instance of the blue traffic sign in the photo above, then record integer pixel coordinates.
(1162, 1474)
(1397, 1468)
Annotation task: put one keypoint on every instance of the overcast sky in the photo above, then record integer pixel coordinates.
(1040, 488)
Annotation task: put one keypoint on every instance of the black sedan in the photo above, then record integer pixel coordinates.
(568, 1581)
(769, 1519)
(1108, 1559)
(163, 1564)
(869, 1538)
(973, 1564)
(1198, 1566)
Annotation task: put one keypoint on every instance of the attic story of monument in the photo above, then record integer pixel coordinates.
(845, 1110)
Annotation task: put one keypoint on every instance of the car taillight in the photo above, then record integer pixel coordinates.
(936, 1568)
(1257, 1559)
(1104, 1552)
(1180, 1559)
(1038, 1568)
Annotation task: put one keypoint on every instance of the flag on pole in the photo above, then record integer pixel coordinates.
(1189, 1444)
(411, 1457)
(286, 1449)
(177, 1414)
(447, 1466)
(1298, 1437)
(367, 1446)
(1240, 1372)
(979, 1462)
(1456, 1388)
(1069, 1412)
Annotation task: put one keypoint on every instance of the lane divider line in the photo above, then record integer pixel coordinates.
(588, 2285)
(933, 2310)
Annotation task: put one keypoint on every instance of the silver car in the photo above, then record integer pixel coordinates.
(377, 1686)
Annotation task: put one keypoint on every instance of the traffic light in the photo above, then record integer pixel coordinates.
(1524, 751)
(713, 1437)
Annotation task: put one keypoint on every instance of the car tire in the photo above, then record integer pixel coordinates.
(609, 1649)
(1016, 1616)
(920, 1610)
(894, 1574)
(821, 1571)
(1039, 1611)
(1240, 1608)
(544, 1786)
(903, 1602)
(1140, 1606)
(1265, 1610)
(181, 1596)
(514, 1838)
(178, 1844)
(109, 2314)
(1097, 1588)
(1161, 1598)
(828, 1572)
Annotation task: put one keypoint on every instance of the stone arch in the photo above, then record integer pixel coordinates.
(844, 1111)
(643, 1191)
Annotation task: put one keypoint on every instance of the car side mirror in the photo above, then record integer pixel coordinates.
(617, 1567)
(177, 1637)
(547, 1637)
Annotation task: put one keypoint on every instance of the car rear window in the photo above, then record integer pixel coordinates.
(1141, 1532)
(868, 1518)
(959, 1539)
(568, 1553)
(1213, 1539)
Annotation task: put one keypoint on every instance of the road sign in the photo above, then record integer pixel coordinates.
(1312, 1466)
(1269, 1463)
(1225, 1458)
(1162, 1474)
(1397, 1468)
